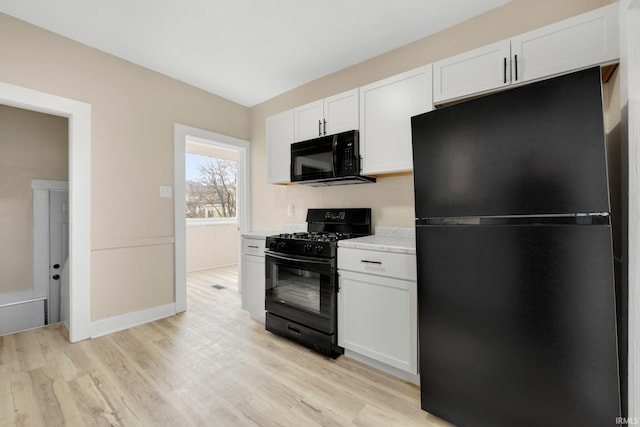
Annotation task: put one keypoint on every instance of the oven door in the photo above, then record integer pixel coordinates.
(302, 289)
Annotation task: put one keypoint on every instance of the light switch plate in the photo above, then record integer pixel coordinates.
(165, 191)
(290, 210)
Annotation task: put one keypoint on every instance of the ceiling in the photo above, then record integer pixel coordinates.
(246, 50)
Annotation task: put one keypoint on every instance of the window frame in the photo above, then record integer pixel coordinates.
(202, 222)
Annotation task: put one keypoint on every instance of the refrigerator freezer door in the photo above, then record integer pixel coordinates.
(532, 150)
(517, 325)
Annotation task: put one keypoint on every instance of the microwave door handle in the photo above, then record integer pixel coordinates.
(334, 150)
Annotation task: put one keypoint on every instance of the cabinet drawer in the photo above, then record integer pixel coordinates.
(399, 266)
(253, 246)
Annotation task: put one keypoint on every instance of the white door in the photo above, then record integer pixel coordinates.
(58, 248)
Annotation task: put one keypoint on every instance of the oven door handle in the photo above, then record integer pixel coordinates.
(297, 259)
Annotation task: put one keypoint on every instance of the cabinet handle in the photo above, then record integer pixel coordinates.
(371, 262)
(516, 66)
(249, 246)
(504, 69)
(319, 128)
(325, 125)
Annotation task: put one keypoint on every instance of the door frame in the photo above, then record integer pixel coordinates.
(79, 117)
(630, 120)
(180, 134)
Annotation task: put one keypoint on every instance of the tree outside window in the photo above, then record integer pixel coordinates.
(211, 187)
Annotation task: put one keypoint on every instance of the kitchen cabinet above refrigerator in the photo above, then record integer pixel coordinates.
(579, 42)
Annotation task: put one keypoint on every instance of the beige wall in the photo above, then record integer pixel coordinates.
(391, 199)
(133, 112)
(32, 146)
(210, 246)
(132, 117)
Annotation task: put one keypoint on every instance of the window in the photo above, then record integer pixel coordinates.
(210, 188)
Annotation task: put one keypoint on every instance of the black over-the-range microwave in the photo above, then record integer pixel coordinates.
(328, 160)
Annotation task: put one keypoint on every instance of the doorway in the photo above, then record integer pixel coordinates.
(79, 123)
(33, 147)
(183, 135)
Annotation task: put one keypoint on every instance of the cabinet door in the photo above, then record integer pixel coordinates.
(341, 112)
(585, 40)
(476, 71)
(308, 120)
(386, 108)
(279, 139)
(377, 317)
(253, 292)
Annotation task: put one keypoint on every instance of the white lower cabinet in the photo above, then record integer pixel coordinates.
(377, 314)
(252, 275)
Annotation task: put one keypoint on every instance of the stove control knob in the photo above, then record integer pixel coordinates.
(319, 249)
(281, 245)
(272, 245)
(308, 248)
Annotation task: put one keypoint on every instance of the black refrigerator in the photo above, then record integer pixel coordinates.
(516, 299)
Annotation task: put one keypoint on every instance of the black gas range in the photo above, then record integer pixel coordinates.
(302, 277)
(317, 243)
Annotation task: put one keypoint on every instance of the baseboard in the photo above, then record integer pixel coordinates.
(407, 376)
(20, 316)
(129, 320)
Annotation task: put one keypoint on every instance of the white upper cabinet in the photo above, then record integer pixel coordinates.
(476, 71)
(279, 139)
(341, 112)
(587, 39)
(578, 42)
(335, 114)
(386, 108)
(308, 120)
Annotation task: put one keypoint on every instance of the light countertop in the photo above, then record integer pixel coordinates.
(259, 235)
(387, 239)
(263, 234)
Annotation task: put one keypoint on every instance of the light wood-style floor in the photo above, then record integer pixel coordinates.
(210, 366)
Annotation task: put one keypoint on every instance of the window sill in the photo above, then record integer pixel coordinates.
(202, 222)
